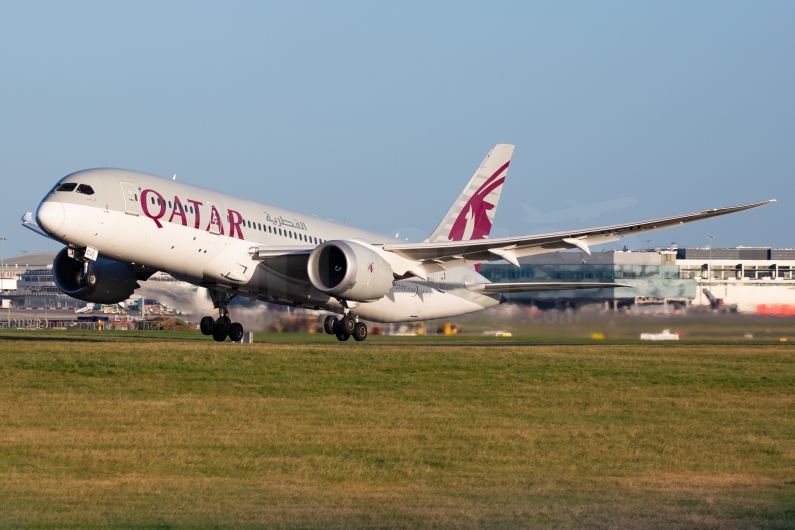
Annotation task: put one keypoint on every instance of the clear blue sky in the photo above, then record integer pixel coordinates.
(378, 113)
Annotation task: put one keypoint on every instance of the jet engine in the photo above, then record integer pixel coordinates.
(107, 281)
(350, 271)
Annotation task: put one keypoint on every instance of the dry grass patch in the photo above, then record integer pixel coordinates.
(312, 435)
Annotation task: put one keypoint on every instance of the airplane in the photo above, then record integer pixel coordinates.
(121, 226)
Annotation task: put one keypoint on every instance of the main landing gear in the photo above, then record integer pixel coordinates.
(346, 327)
(223, 327)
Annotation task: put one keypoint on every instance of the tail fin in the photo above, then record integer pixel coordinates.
(473, 212)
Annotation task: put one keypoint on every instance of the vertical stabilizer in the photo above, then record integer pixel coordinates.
(472, 214)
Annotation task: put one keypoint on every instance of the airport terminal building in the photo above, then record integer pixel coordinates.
(754, 280)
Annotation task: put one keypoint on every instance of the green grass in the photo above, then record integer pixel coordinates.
(170, 430)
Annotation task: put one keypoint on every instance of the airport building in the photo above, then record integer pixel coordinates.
(27, 283)
(752, 280)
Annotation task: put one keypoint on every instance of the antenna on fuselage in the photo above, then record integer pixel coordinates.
(174, 177)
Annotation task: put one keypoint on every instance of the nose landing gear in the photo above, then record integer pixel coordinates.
(223, 327)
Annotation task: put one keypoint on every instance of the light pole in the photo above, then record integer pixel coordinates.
(647, 243)
(710, 237)
(3, 274)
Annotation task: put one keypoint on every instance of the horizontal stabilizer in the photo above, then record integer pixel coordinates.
(29, 222)
(531, 287)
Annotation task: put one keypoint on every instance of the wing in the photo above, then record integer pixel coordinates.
(29, 222)
(455, 253)
(494, 288)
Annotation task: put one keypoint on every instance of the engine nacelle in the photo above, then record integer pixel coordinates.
(350, 271)
(111, 281)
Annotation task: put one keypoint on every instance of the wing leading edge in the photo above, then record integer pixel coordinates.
(455, 253)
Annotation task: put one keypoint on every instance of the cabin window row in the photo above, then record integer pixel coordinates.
(179, 206)
(284, 233)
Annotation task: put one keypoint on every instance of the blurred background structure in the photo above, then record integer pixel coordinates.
(758, 281)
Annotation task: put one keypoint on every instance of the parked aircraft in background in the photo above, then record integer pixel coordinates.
(121, 226)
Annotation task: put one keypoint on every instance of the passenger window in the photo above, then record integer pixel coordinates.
(69, 186)
(169, 204)
(136, 197)
(85, 189)
(153, 200)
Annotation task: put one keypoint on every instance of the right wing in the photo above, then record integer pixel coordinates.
(447, 254)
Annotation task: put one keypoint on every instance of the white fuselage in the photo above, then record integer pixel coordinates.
(203, 237)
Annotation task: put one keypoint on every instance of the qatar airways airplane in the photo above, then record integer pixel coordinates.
(121, 226)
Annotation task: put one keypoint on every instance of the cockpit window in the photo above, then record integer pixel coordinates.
(69, 186)
(85, 189)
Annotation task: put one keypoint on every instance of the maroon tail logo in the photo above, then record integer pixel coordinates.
(475, 212)
(370, 267)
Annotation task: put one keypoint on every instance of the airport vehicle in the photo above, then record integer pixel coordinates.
(121, 226)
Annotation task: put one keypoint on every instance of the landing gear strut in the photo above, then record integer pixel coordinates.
(346, 327)
(223, 327)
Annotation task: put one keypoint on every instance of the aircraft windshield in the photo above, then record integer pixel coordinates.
(69, 186)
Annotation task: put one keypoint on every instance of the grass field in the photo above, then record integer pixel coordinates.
(159, 430)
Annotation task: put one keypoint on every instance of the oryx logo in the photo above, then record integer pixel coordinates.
(473, 222)
(370, 266)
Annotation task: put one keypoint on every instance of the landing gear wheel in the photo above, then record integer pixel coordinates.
(221, 328)
(91, 279)
(236, 332)
(330, 324)
(360, 331)
(206, 325)
(219, 333)
(347, 324)
(342, 336)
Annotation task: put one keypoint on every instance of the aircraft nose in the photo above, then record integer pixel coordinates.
(50, 215)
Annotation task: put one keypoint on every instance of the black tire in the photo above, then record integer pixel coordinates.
(235, 332)
(360, 331)
(330, 324)
(91, 279)
(347, 325)
(342, 336)
(219, 333)
(206, 325)
(223, 324)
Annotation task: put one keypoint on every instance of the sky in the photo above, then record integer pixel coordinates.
(378, 113)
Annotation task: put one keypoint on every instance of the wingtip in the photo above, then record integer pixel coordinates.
(771, 200)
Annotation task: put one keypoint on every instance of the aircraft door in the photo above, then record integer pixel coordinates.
(440, 279)
(131, 194)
